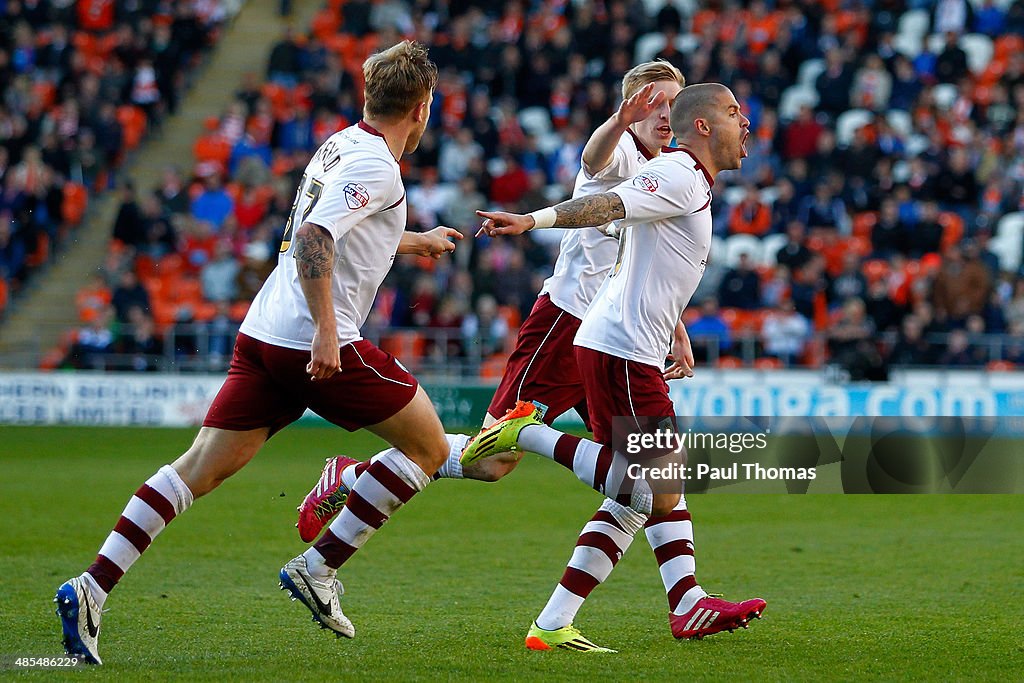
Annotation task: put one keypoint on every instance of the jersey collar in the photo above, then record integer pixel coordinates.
(699, 166)
(369, 129)
(647, 154)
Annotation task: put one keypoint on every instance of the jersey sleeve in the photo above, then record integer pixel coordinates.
(662, 189)
(356, 191)
(617, 168)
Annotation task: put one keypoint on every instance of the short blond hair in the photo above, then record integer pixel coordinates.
(650, 72)
(397, 79)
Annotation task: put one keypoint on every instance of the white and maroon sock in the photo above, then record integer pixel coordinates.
(671, 538)
(602, 543)
(388, 482)
(597, 466)
(163, 497)
(451, 469)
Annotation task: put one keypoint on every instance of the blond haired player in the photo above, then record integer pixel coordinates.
(621, 347)
(299, 347)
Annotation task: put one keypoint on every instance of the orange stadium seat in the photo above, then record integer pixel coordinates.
(187, 290)
(325, 24)
(169, 266)
(1001, 366)
(730, 362)
(494, 367)
(238, 310)
(768, 363)
(404, 345)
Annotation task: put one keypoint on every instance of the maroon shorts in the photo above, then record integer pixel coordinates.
(543, 365)
(617, 387)
(267, 386)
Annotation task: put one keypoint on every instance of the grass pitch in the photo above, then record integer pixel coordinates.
(858, 587)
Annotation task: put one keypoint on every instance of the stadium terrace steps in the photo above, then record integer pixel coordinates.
(48, 310)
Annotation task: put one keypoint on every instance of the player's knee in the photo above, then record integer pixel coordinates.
(428, 454)
(664, 503)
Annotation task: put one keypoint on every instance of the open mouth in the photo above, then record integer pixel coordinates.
(664, 131)
(743, 146)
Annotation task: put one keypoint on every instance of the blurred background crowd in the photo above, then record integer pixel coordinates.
(877, 222)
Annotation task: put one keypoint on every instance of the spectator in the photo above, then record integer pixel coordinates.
(850, 282)
(961, 287)
(92, 343)
(457, 154)
(834, 84)
(139, 340)
(750, 216)
(851, 344)
(255, 269)
(906, 85)
(709, 331)
(285, 63)
(911, 348)
(872, 85)
(926, 234)
(889, 235)
(824, 211)
(129, 294)
(219, 276)
(956, 184)
(800, 139)
(483, 329)
(741, 287)
(951, 16)
(881, 307)
(785, 332)
(951, 64)
(959, 352)
(213, 204)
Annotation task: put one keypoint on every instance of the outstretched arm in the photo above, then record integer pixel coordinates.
(314, 256)
(582, 212)
(433, 243)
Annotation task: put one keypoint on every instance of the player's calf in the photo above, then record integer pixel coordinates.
(492, 469)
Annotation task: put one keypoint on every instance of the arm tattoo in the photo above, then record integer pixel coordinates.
(314, 251)
(590, 211)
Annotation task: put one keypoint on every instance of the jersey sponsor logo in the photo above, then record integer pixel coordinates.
(356, 195)
(646, 181)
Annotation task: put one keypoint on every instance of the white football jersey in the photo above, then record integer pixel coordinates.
(353, 188)
(661, 259)
(585, 256)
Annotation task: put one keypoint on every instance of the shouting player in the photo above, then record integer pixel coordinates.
(621, 345)
(543, 367)
(543, 364)
(299, 347)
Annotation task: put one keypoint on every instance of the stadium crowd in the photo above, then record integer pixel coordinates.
(81, 82)
(876, 222)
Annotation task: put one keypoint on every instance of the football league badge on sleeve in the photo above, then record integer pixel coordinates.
(356, 196)
(646, 181)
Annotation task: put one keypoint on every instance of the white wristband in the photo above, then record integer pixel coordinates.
(544, 218)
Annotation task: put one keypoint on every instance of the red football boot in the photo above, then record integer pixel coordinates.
(711, 615)
(325, 500)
